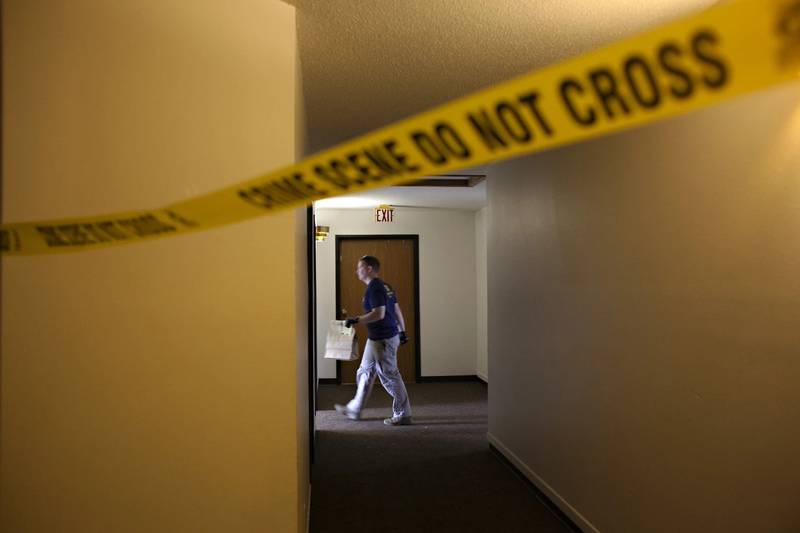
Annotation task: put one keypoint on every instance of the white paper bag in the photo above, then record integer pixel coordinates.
(342, 342)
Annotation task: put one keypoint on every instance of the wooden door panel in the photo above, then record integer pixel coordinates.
(398, 262)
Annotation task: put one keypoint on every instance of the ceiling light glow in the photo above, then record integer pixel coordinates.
(347, 202)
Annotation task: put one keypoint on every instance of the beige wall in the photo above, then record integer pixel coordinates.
(644, 303)
(158, 386)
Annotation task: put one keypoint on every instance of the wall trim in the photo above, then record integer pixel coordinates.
(441, 379)
(558, 504)
(311, 271)
(423, 379)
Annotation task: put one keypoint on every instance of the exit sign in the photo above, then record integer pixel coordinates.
(384, 213)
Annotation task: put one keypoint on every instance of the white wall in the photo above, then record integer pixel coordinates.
(644, 303)
(447, 282)
(482, 362)
(140, 383)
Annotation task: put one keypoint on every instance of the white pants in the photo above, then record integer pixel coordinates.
(380, 357)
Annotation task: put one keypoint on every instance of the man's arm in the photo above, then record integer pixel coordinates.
(376, 314)
(401, 322)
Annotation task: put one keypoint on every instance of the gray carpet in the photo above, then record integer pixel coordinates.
(437, 475)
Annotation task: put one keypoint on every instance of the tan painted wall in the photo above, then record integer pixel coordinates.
(159, 386)
(644, 304)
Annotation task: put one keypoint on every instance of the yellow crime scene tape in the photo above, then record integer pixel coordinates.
(728, 50)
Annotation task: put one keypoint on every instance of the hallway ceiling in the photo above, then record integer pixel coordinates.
(366, 63)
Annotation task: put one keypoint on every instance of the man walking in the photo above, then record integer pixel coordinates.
(384, 320)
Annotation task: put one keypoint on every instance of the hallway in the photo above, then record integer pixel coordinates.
(435, 475)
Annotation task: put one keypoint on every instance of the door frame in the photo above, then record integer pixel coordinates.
(311, 270)
(380, 236)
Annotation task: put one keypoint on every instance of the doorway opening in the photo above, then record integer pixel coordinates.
(442, 221)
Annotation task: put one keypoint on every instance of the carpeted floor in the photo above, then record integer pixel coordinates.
(437, 475)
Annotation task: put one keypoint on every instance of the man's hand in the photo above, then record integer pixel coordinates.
(350, 322)
(403, 337)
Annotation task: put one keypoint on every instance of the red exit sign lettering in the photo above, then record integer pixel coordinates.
(384, 213)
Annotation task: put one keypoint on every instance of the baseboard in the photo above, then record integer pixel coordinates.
(441, 379)
(421, 379)
(559, 505)
(483, 378)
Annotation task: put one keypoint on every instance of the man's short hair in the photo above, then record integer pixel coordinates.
(372, 262)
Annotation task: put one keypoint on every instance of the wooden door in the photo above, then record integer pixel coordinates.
(399, 269)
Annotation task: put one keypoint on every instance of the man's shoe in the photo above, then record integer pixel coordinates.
(352, 415)
(398, 421)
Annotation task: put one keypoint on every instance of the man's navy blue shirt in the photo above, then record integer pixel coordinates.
(378, 294)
